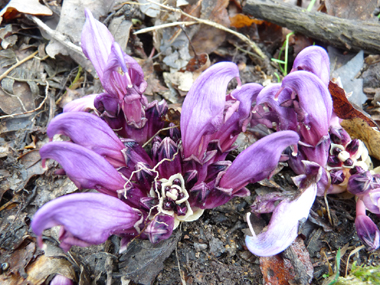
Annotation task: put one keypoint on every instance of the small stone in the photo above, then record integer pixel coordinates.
(200, 246)
(216, 247)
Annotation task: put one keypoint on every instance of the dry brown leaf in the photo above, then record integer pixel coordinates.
(32, 7)
(351, 9)
(276, 270)
(343, 108)
(44, 266)
(240, 20)
(358, 128)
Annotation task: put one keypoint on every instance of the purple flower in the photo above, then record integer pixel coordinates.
(61, 280)
(283, 226)
(315, 60)
(123, 105)
(86, 218)
(182, 175)
(367, 231)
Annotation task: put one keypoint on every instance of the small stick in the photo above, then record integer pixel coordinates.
(215, 25)
(163, 26)
(17, 64)
(57, 36)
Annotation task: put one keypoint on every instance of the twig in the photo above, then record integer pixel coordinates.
(179, 266)
(57, 35)
(215, 25)
(349, 256)
(31, 111)
(164, 129)
(17, 64)
(163, 26)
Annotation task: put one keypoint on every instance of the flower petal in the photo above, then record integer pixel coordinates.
(84, 104)
(287, 118)
(202, 110)
(84, 167)
(283, 226)
(89, 218)
(315, 101)
(239, 119)
(96, 42)
(257, 161)
(91, 132)
(121, 73)
(315, 60)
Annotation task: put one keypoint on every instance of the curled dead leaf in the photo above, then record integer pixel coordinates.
(344, 109)
(32, 7)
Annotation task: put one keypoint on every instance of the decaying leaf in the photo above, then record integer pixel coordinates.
(359, 128)
(344, 109)
(207, 38)
(351, 9)
(154, 85)
(45, 266)
(32, 7)
(276, 270)
(143, 260)
(291, 267)
(240, 20)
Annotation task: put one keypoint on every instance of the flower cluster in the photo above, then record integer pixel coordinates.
(327, 161)
(148, 183)
(145, 192)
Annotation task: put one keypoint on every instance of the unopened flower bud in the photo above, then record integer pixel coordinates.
(367, 232)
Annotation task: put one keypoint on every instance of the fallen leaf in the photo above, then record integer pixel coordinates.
(45, 266)
(198, 63)
(343, 108)
(276, 270)
(32, 7)
(293, 268)
(20, 259)
(72, 20)
(143, 260)
(207, 38)
(347, 75)
(351, 9)
(150, 76)
(359, 128)
(240, 20)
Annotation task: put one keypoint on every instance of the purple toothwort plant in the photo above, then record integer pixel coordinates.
(123, 105)
(326, 155)
(146, 194)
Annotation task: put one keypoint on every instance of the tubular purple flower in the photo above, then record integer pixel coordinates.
(257, 161)
(315, 101)
(99, 137)
(202, 110)
(160, 228)
(367, 231)
(84, 104)
(122, 73)
(361, 183)
(84, 167)
(61, 280)
(86, 218)
(315, 60)
(96, 43)
(236, 121)
(283, 226)
(372, 200)
(286, 117)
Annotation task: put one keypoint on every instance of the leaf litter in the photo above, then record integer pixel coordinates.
(209, 251)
